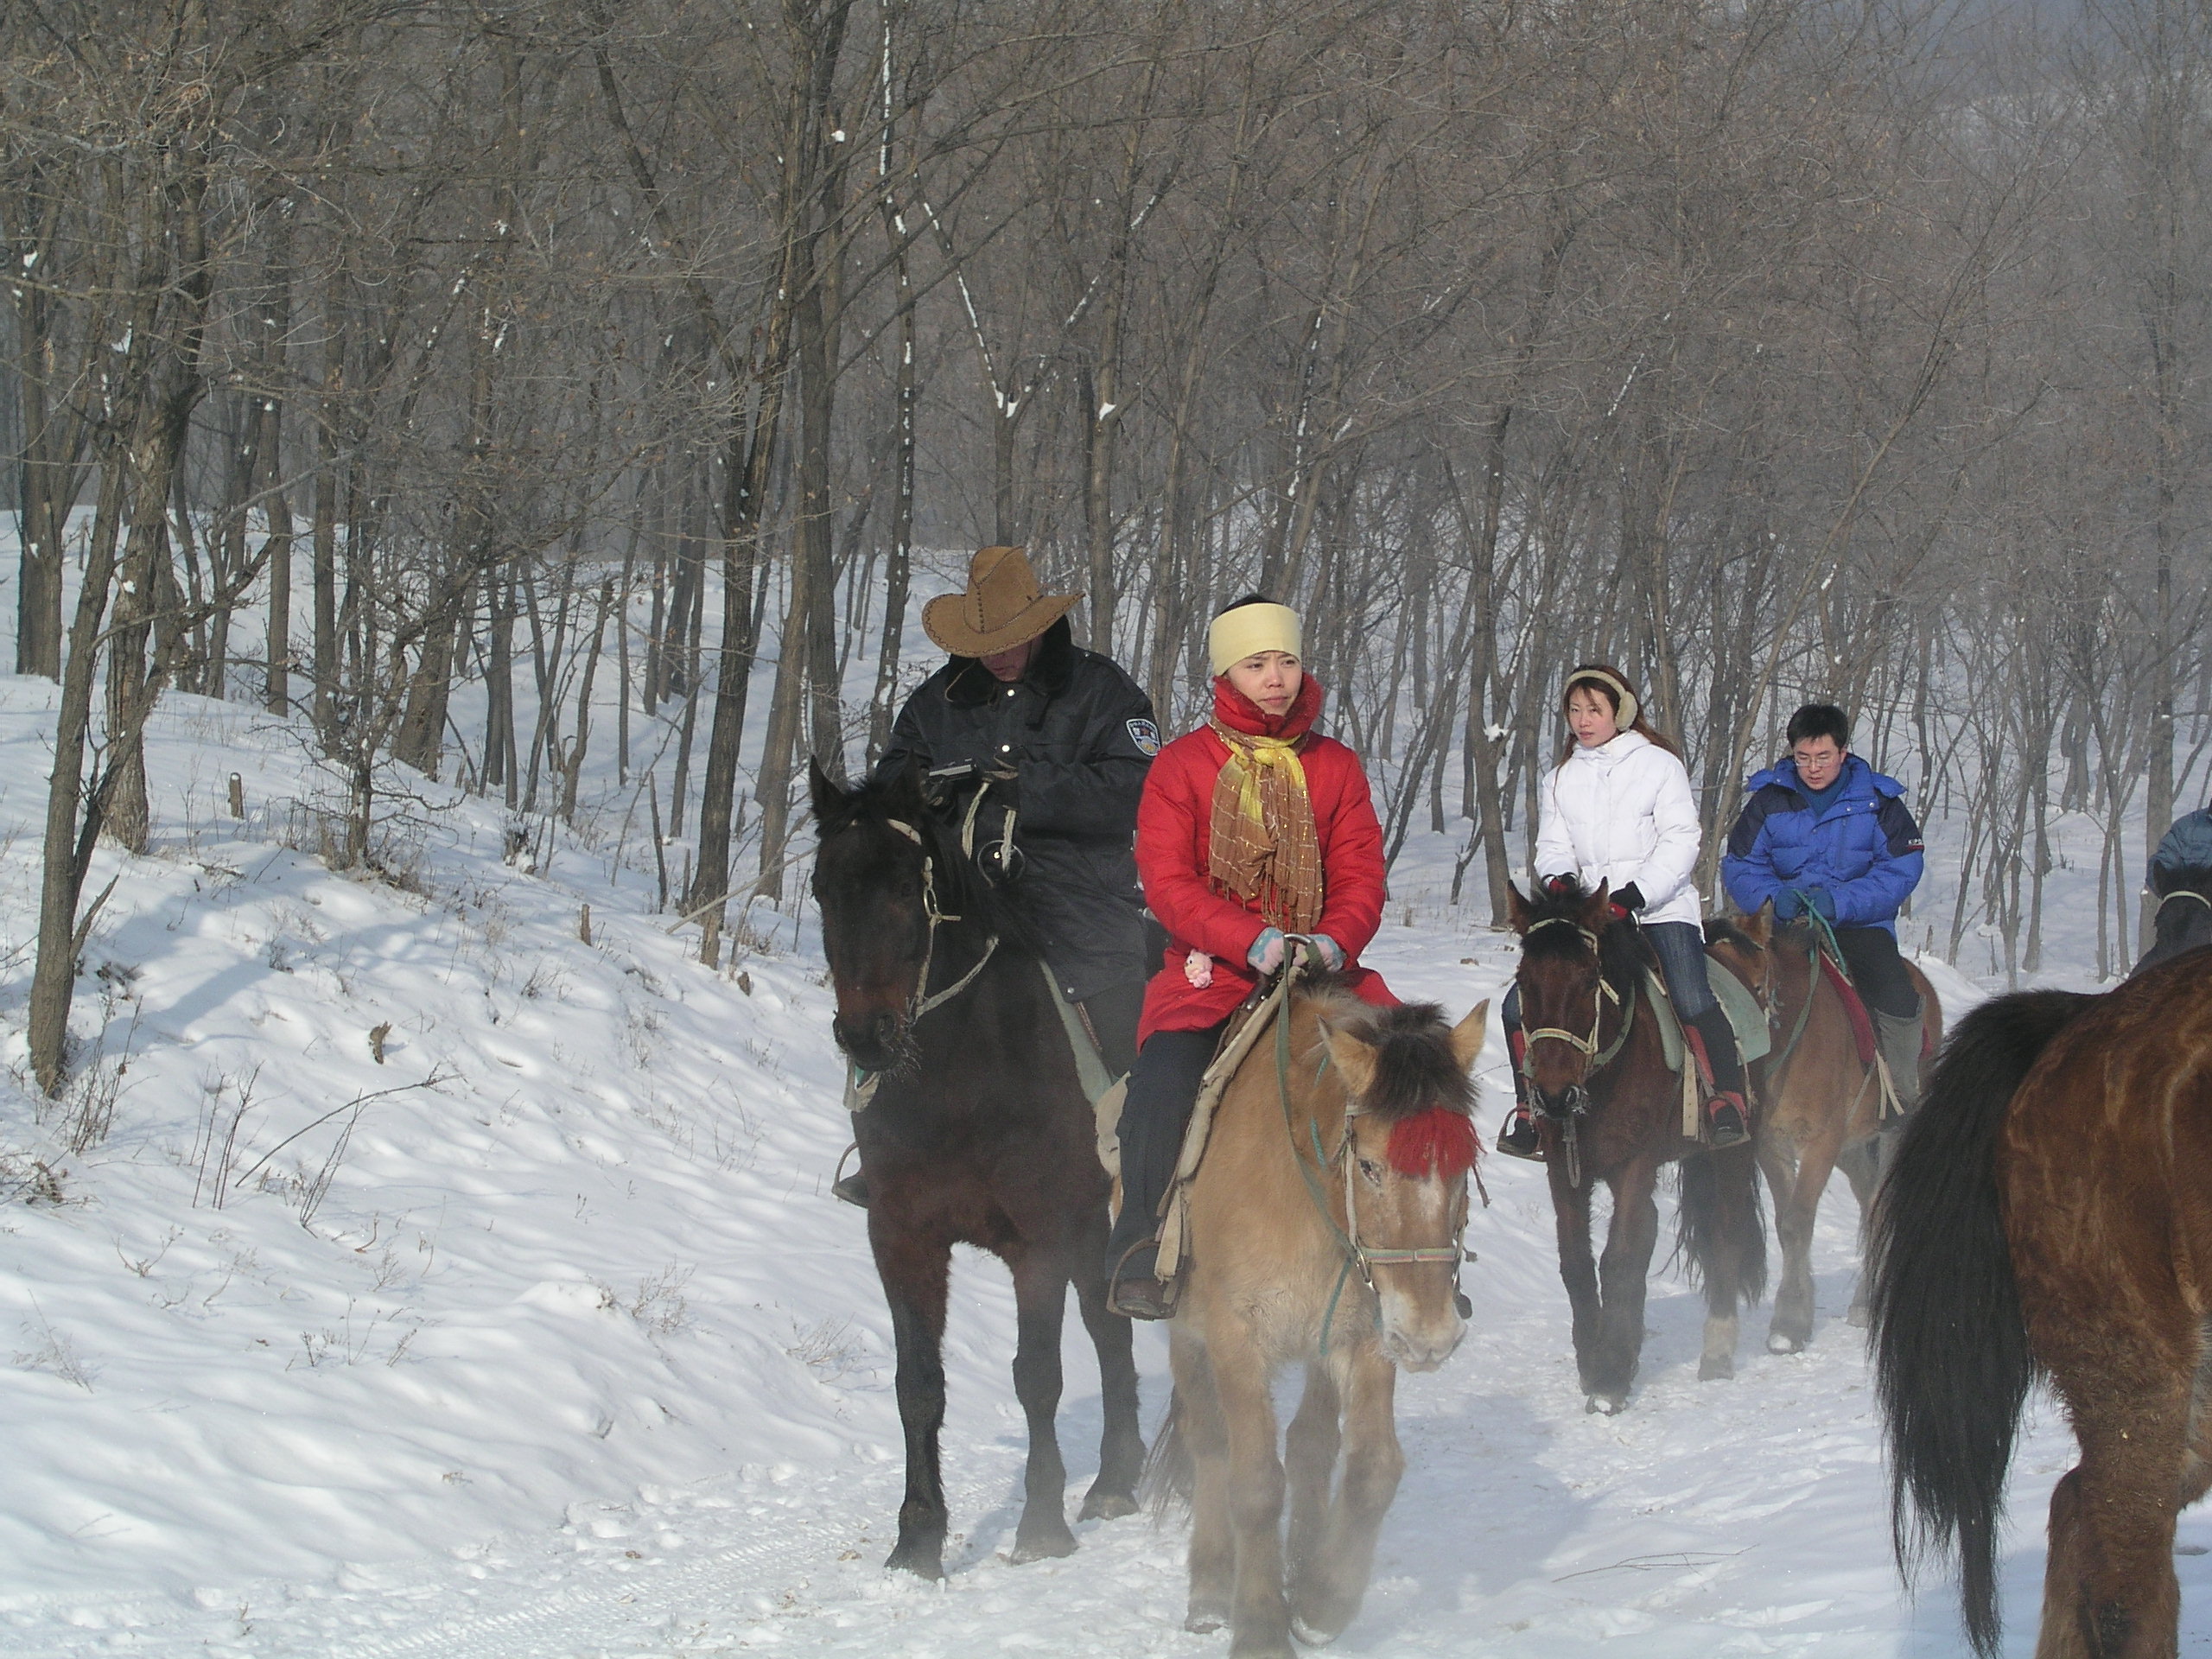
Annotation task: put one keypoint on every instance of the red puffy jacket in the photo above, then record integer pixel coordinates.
(1174, 840)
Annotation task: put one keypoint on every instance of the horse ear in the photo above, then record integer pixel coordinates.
(822, 791)
(1354, 1060)
(1758, 926)
(906, 792)
(1595, 911)
(1467, 1037)
(1516, 908)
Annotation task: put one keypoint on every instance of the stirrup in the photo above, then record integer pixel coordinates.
(1517, 1137)
(1139, 1294)
(853, 1188)
(1724, 1122)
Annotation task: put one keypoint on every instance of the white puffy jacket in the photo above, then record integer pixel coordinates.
(1622, 812)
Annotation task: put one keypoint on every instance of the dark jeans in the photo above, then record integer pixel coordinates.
(1871, 954)
(1163, 1087)
(1113, 1013)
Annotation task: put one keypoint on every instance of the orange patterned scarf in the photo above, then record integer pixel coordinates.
(1264, 846)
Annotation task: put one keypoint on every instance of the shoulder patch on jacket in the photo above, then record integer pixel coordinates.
(1146, 736)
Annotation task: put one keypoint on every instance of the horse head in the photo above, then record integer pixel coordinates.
(1409, 1143)
(1564, 991)
(876, 867)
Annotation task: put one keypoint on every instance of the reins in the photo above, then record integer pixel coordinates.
(1355, 1253)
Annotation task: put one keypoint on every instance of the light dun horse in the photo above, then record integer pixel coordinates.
(1325, 1230)
(1819, 1109)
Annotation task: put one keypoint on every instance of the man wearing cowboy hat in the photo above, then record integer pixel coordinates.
(1064, 738)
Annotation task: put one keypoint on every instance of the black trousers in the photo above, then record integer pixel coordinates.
(1871, 954)
(1113, 1013)
(1163, 1087)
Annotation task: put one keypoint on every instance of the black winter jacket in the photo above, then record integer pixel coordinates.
(1080, 735)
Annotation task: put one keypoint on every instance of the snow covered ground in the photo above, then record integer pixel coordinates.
(447, 1284)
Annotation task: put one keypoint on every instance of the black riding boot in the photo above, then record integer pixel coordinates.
(1518, 1137)
(1163, 1085)
(1727, 1114)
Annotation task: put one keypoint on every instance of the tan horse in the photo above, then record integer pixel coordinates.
(1819, 1109)
(1325, 1230)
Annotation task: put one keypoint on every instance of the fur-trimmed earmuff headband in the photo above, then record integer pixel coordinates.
(1625, 705)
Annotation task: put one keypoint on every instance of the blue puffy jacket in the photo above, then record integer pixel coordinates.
(2187, 846)
(1863, 847)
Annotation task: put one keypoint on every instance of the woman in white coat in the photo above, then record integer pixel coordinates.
(1617, 808)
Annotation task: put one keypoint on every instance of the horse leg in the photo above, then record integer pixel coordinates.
(1325, 1597)
(1041, 1290)
(1260, 1620)
(1732, 1247)
(1578, 1270)
(914, 1273)
(1791, 1327)
(2109, 1589)
(1622, 1273)
(1310, 1461)
(1213, 1545)
(1862, 1164)
(1120, 1445)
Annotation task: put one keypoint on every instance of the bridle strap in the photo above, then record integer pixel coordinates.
(1598, 998)
(2182, 893)
(922, 1001)
(1356, 1255)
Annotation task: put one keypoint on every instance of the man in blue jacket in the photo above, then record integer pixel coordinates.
(1824, 832)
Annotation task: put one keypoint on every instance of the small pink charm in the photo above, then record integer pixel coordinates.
(1198, 968)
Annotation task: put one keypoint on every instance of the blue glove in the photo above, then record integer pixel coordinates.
(1789, 904)
(1821, 900)
(1265, 954)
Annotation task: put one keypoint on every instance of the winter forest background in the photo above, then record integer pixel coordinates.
(491, 386)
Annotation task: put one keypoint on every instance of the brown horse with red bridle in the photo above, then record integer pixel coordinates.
(1608, 1108)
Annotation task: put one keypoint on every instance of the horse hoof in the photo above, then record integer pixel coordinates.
(1313, 1636)
(1776, 1343)
(1107, 1506)
(1610, 1405)
(1049, 1547)
(1204, 1618)
(919, 1560)
(1722, 1370)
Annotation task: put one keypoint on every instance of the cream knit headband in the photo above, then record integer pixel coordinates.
(1239, 633)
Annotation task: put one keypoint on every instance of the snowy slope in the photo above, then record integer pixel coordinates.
(562, 1349)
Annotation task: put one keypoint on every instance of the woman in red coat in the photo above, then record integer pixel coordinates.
(1252, 828)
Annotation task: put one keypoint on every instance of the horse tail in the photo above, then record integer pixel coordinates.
(1951, 1362)
(1717, 1202)
(1170, 1473)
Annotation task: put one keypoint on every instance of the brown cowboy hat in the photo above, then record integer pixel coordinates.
(1001, 608)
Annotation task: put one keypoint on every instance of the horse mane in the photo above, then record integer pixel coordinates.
(962, 890)
(1415, 1067)
(1624, 956)
(1722, 930)
(2193, 878)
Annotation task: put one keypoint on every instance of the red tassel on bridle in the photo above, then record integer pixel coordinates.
(1438, 1139)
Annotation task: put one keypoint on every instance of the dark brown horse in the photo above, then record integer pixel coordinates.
(2049, 1215)
(1608, 1109)
(976, 1131)
(1820, 1107)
